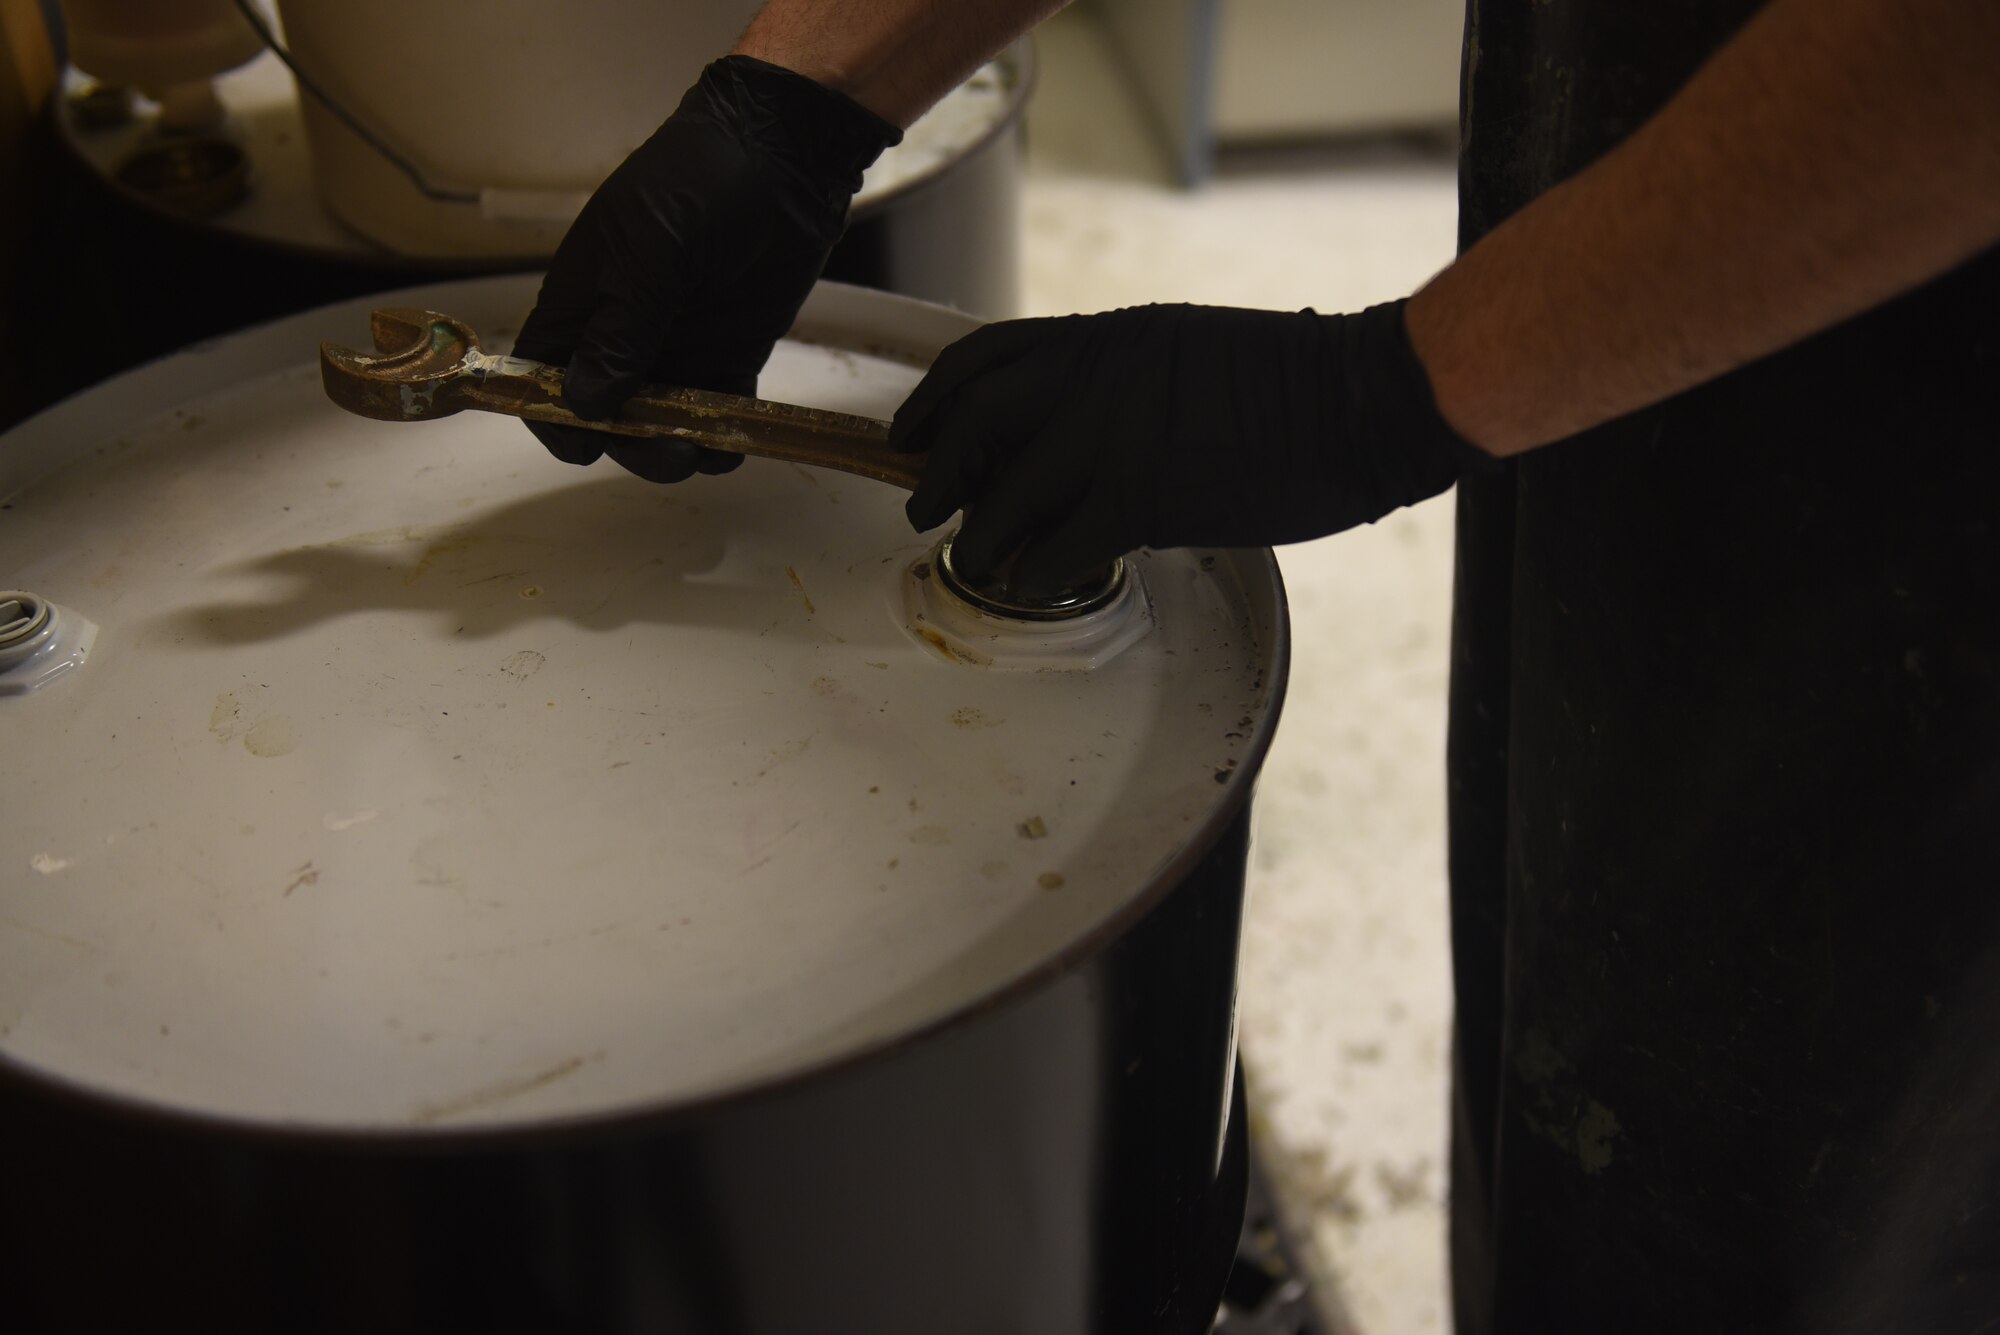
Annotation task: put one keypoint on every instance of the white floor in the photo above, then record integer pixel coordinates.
(1346, 988)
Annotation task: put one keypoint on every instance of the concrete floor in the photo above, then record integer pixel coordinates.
(1346, 987)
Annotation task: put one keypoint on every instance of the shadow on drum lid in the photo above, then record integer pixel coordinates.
(602, 555)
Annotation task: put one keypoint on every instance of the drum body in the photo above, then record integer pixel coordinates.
(455, 887)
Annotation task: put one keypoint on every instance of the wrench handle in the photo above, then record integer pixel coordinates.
(732, 422)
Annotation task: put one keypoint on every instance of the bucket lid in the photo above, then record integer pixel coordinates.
(418, 780)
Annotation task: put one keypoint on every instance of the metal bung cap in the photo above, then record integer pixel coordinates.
(438, 784)
(25, 624)
(990, 625)
(198, 175)
(997, 596)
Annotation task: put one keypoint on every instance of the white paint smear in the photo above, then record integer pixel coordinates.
(48, 864)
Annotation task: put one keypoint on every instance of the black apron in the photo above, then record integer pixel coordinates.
(1725, 796)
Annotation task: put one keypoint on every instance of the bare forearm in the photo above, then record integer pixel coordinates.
(1834, 154)
(895, 57)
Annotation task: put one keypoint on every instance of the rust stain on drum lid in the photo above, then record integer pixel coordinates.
(800, 585)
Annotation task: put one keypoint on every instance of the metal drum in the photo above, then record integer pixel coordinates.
(443, 886)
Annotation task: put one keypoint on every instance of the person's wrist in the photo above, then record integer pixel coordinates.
(817, 131)
(1396, 411)
(870, 75)
(1474, 411)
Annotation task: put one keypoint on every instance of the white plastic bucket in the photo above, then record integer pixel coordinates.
(524, 107)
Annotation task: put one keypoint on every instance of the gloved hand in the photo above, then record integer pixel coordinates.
(693, 257)
(1087, 436)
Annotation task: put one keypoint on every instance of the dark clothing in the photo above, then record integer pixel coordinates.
(1725, 797)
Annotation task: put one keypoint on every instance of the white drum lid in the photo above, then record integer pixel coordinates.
(416, 779)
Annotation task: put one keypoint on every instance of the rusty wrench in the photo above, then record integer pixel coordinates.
(429, 365)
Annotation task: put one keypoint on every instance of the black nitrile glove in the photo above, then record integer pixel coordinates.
(692, 258)
(1087, 436)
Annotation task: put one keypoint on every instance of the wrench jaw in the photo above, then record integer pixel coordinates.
(419, 362)
(429, 336)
